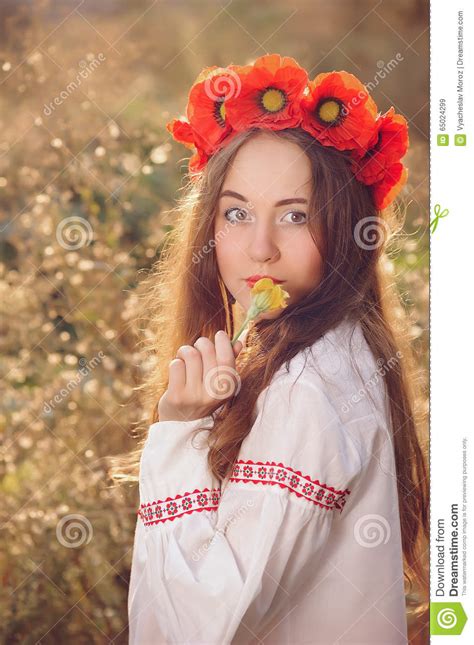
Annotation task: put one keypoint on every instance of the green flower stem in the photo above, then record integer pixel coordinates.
(251, 314)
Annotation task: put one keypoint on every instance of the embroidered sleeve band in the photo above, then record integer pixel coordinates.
(269, 472)
(172, 507)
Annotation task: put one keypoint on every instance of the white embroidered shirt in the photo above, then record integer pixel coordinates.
(301, 543)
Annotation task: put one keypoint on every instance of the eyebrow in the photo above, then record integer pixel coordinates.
(282, 202)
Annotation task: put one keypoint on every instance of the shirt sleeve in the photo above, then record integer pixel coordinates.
(221, 559)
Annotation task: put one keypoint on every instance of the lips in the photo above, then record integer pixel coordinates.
(251, 280)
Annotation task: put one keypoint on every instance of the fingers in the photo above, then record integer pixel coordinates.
(208, 353)
(193, 364)
(224, 350)
(237, 348)
(177, 374)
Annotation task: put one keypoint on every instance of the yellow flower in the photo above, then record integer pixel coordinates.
(266, 296)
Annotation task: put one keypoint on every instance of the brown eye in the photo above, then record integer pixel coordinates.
(233, 214)
(298, 214)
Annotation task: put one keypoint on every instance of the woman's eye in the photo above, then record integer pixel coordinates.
(300, 217)
(235, 214)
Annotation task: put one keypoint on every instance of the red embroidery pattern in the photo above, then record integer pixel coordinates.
(173, 507)
(269, 472)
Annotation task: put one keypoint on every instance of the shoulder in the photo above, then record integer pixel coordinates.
(297, 436)
(342, 366)
(338, 353)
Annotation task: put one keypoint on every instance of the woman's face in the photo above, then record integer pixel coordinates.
(261, 220)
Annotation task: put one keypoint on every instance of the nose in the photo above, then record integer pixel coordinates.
(262, 247)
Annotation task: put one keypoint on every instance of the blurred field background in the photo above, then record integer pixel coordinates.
(84, 189)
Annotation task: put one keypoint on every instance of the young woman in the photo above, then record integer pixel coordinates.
(283, 489)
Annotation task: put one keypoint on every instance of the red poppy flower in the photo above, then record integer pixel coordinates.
(200, 158)
(274, 93)
(385, 190)
(206, 110)
(389, 145)
(270, 95)
(198, 161)
(182, 132)
(339, 112)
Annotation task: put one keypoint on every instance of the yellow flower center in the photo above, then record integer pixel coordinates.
(273, 100)
(219, 112)
(222, 110)
(329, 111)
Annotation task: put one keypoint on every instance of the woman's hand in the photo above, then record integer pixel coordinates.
(201, 378)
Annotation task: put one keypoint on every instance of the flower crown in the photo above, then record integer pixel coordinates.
(275, 93)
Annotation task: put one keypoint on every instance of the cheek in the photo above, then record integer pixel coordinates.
(227, 252)
(308, 259)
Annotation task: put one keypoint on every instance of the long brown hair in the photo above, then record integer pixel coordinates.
(184, 298)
